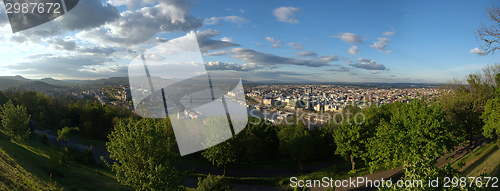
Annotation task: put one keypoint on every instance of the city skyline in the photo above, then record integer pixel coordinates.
(295, 42)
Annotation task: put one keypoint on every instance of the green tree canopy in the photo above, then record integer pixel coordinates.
(414, 132)
(213, 183)
(491, 114)
(15, 121)
(351, 139)
(222, 153)
(63, 134)
(464, 104)
(146, 153)
(296, 142)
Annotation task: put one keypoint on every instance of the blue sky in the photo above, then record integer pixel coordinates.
(290, 41)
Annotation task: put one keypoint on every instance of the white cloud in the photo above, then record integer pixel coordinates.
(226, 39)
(233, 19)
(232, 66)
(349, 38)
(140, 26)
(219, 53)
(389, 34)
(241, 10)
(296, 46)
(381, 44)
(88, 14)
(286, 14)
(273, 41)
(476, 51)
(353, 50)
(65, 66)
(275, 45)
(387, 52)
(253, 56)
(277, 42)
(69, 45)
(368, 64)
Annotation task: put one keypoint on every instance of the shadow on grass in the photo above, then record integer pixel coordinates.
(480, 160)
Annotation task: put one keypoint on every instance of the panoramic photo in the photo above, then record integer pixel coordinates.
(204, 95)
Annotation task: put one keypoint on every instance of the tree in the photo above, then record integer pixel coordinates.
(146, 154)
(296, 142)
(351, 139)
(324, 143)
(15, 121)
(213, 183)
(464, 104)
(267, 137)
(490, 35)
(414, 132)
(491, 114)
(223, 153)
(96, 115)
(246, 144)
(63, 134)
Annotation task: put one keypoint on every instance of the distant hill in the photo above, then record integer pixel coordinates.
(37, 86)
(55, 82)
(19, 81)
(12, 81)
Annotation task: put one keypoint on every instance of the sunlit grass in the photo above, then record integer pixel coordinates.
(476, 158)
(33, 157)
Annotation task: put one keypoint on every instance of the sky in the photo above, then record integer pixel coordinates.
(283, 41)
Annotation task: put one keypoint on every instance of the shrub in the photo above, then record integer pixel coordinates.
(45, 139)
(85, 157)
(213, 183)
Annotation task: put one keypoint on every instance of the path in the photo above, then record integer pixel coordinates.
(281, 172)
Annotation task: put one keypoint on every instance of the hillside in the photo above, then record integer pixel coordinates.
(25, 165)
(14, 177)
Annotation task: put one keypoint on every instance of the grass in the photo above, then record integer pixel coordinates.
(485, 159)
(15, 177)
(90, 142)
(33, 157)
(477, 158)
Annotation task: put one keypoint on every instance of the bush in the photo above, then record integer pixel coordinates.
(213, 183)
(85, 157)
(55, 163)
(45, 139)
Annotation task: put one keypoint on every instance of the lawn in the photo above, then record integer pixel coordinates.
(34, 158)
(480, 157)
(485, 159)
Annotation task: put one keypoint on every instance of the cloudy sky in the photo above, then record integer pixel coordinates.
(289, 41)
